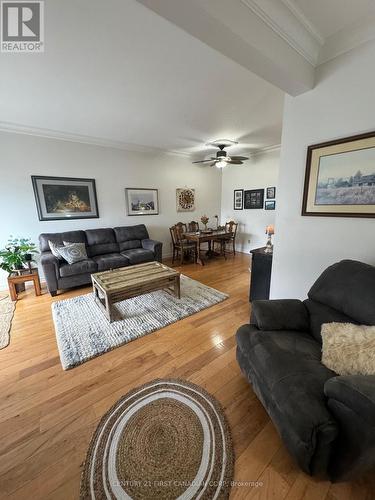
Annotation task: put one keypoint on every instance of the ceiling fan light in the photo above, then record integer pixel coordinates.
(221, 163)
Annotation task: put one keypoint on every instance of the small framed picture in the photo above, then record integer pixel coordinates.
(141, 201)
(238, 199)
(62, 198)
(253, 199)
(269, 205)
(271, 192)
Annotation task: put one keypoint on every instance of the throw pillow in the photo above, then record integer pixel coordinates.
(73, 252)
(349, 349)
(54, 247)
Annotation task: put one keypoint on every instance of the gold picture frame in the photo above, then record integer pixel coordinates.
(340, 178)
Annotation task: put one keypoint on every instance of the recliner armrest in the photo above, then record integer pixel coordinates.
(284, 314)
(356, 392)
(154, 246)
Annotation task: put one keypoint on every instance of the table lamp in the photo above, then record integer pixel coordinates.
(270, 230)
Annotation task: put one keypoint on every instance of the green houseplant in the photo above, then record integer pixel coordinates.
(16, 253)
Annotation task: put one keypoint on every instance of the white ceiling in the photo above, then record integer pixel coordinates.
(331, 16)
(117, 72)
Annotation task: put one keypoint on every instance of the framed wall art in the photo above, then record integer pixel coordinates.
(269, 205)
(253, 198)
(271, 192)
(238, 199)
(185, 200)
(141, 201)
(340, 178)
(62, 198)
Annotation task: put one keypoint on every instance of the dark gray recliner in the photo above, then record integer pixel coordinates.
(326, 421)
(106, 248)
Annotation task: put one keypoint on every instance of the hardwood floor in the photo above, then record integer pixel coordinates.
(47, 415)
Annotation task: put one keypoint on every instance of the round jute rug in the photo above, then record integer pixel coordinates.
(164, 440)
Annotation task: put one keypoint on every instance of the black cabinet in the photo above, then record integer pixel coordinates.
(260, 278)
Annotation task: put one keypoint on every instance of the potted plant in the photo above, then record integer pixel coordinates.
(17, 252)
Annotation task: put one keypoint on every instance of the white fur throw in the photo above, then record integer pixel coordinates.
(349, 349)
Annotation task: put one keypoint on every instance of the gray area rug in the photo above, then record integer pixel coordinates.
(83, 332)
(6, 315)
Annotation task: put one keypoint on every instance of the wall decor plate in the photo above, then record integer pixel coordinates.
(253, 199)
(238, 199)
(185, 200)
(340, 178)
(62, 198)
(142, 201)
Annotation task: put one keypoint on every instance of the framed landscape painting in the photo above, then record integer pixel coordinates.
(238, 199)
(61, 198)
(141, 201)
(340, 178)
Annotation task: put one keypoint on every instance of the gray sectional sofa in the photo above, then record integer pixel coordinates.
(326, 421)
(106, 248)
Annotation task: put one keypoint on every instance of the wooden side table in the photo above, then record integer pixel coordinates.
(22, 276)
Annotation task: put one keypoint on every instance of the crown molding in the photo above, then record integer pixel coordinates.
(16, 128)
(265, 150)
(289, 23)
(313, 30)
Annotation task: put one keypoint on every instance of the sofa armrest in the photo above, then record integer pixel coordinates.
(351, 400)
(285, 314)
(356, 392)
(154, 246)
(50, 266)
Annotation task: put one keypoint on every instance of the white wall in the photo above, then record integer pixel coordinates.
(342, 104)
(22, 156)
(261, 171)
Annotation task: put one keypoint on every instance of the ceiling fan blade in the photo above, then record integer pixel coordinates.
(235, 162)
(239, 158)
(203, 161)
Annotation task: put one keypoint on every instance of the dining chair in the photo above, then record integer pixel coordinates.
(231, 229)
(181, 246)
(193, 226)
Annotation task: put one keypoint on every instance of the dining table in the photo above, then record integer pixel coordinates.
(208, 236)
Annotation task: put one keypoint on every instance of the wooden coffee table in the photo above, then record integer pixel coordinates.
(126, 282)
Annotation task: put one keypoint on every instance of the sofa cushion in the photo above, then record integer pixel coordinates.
(101, 241)
(138, 255)
(287, 375)
(83, 266)
(348, 286)
(130, 236)
(110, 261)
(320, 313)
(58, 238)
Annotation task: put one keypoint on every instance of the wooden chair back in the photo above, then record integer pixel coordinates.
(193, 226)
(181, 228)
(173, 232)
(231, 227)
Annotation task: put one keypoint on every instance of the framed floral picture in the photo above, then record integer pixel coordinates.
(340, 178)
(141, 201)
(62, 198)
(185, 200)
(238, 199)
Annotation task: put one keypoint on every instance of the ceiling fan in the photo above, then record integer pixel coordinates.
(222, 158)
